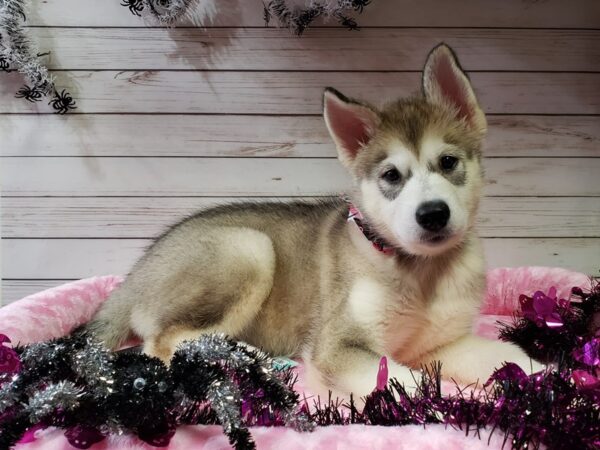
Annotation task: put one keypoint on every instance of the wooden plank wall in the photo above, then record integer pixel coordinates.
(172, 120)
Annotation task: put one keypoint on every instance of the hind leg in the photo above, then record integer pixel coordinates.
(220, 288)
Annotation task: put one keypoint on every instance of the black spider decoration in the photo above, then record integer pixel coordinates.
(62, 102)
(348, 22)
(4, 65)
(210, 380)
(359, 5)
(31, 94)
(266, 15)
(135, 6)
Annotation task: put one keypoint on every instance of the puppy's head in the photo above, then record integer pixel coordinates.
(416, 162)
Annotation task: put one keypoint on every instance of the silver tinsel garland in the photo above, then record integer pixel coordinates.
(42, 353)
(293, 16)
(168, 12)
(63, 395)
(298, 18)
(18, 52)
(95, 364)
(17, 49)
(8, 397)
(225, 399)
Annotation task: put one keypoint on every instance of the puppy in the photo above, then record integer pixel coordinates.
(399, 271)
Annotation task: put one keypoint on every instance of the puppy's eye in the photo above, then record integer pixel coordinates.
(391, 176)
(448, 162)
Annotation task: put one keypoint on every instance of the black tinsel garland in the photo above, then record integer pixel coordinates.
(76, 384)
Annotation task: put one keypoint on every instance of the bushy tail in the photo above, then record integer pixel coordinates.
(112, 323)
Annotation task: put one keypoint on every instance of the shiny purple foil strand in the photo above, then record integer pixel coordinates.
(545, 408)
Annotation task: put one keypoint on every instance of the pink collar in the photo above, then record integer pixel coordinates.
(379, 244)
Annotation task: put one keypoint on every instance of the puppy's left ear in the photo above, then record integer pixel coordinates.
(445, 83)
(351, 124)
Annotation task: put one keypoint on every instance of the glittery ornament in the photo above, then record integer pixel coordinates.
(589, 353)
(542, 309)
(585, 380)
(382, 374)
(9, 360)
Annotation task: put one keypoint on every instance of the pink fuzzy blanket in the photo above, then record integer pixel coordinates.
(53, 313)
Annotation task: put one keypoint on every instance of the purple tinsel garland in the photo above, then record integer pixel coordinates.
(558, 408)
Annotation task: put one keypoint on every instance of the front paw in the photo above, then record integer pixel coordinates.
(498, 353)
(525, 362)
(473, 359)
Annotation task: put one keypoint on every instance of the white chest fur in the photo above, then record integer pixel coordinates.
(401, 323)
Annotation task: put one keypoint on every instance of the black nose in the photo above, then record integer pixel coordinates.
(433, 216)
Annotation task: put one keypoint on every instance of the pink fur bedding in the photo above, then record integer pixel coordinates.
(54, 312)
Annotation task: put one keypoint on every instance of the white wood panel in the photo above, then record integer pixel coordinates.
(545, 136)
(179, 135)
(80, 258)
(540, 217)
(300, 92)
(258, 136)
(69, 258)
(13, 290)
(580, 255)
(559, 231)
(264, 177)
(321, 49)
(171, 176)
(147, 217)
(433, 13)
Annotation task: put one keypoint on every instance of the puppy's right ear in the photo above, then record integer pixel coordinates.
(351, 124)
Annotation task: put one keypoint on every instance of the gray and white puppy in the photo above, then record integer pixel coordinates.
(299, 279)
